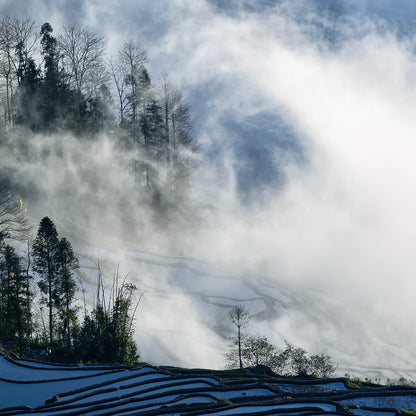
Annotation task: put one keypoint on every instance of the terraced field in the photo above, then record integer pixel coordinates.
(201, 294)
(28, 387)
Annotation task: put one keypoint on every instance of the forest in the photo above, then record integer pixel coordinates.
(47, 275)
(67, 85)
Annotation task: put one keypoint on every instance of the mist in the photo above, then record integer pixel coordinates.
(307, 144)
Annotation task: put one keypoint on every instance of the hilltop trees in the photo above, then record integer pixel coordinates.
(62, 83)
(82, 59)
(17, 40)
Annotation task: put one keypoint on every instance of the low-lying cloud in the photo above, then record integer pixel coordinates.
(340, 217)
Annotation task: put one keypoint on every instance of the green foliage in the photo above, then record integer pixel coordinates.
(106, 334)
(44, 252)
(257, 350)
(297, 361)
(402, 381)
(66, 263)
(55, 261)
(321, 365)
(68, 89)
(353, 380)
(15, 300)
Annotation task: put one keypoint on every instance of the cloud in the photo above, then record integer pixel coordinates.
(337, 211)
(343, 220)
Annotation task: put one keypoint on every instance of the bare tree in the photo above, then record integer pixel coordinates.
(240, 318)
(13, 223)
(17, 40)
(126, 71)
(180, 147)
(83, 53)
(116, 71)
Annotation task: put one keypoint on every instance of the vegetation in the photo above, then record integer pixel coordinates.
(240, 318)
(64, 84)
(250, 351)
(104, 335)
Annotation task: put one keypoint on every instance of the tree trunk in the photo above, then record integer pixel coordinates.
(239, 348)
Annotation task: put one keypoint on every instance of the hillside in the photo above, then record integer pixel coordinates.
(183, 318)
(28, 387)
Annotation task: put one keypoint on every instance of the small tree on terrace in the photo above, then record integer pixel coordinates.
(240, 318)
(297, 361)
(257, 350)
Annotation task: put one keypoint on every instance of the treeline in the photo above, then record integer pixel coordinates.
(103, 335)
(67, 83)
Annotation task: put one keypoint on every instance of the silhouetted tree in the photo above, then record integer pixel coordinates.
(179, 145)
(29, 109)
(16, 41)
(240, 318)
(15, 299)
(82, 57)
(53, 83)
(66, 263)
(44, 252)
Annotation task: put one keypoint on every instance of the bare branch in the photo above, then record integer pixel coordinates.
(13, 223)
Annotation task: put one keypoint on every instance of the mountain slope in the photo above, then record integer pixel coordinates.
(183, 320)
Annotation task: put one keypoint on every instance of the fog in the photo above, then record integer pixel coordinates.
(306, 125)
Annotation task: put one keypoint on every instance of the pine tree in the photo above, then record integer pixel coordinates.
(52, 80)
(44, 253)
(15, 323)
(28, 113)
(66, 263)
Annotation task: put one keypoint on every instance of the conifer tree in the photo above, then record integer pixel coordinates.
(15, 322)
(44, 253)
(66, 263)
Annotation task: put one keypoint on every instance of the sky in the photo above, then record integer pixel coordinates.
(305, 112)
